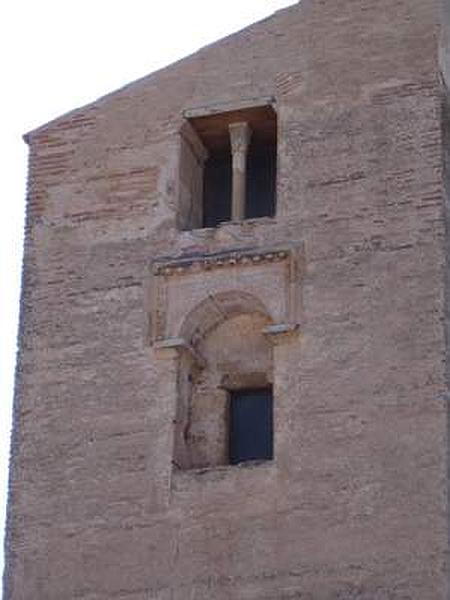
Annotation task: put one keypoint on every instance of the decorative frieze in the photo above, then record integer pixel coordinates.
(245, 279)
(205, 262)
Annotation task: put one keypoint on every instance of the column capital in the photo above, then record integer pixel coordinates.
(240, 134)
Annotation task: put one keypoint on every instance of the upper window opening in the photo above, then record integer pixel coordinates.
(216, 200)
(234, 176)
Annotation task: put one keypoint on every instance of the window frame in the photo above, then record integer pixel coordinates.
(207, 133)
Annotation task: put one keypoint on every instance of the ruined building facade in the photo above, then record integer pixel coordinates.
(232, 378)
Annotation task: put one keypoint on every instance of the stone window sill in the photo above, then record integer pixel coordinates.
(232, 225)
(222, 471)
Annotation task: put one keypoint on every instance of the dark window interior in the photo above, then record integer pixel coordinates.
(213, 130)
(217, 189)
(261, 179)
(261, 183)
(251, 425)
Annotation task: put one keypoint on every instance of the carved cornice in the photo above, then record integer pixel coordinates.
(205, 262)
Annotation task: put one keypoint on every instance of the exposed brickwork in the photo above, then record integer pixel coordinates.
(355, 504)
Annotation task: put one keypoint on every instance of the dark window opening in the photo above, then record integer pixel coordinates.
(261, 179)
(251, 425)
(214, 201)
(217, 189)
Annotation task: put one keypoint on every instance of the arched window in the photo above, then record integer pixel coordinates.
(216, 349)
(224, 408)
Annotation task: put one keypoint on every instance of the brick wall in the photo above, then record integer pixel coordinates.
(355, 503)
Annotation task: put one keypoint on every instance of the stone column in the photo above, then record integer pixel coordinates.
(240, 134)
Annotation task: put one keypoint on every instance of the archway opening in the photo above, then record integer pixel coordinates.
(237, 358)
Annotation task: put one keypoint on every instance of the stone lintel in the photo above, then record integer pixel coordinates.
(238, 381)
(222, 107)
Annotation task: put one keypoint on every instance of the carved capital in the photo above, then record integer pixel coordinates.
(240, 134)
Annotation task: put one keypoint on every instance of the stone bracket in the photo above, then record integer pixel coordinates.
(281, 332)
(174, 347)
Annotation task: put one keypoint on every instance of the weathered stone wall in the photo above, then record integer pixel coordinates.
(355, 503)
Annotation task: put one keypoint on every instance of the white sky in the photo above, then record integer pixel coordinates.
(56, 56)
